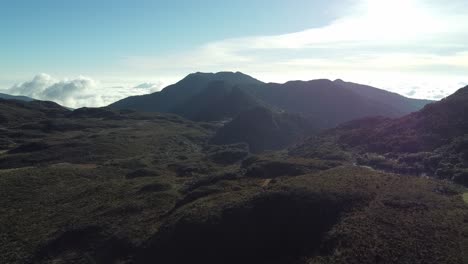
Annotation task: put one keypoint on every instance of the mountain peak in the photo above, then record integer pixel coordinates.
(228, 76)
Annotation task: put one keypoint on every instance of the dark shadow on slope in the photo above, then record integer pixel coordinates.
(88, 244)
(277, 227)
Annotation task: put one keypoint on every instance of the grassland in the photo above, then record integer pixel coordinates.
(110, 187)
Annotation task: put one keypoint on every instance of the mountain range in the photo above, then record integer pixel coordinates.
(223, 95)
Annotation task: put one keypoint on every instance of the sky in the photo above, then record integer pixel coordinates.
(94, 52)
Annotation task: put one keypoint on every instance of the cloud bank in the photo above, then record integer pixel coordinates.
(79, 92)
(152, 87)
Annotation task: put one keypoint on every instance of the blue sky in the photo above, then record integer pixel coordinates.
(63, 36)
(95, 52)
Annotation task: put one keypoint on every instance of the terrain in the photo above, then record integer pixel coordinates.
(100, 185)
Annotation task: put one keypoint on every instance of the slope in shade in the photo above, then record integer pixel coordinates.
(432, 141)
(263, 130)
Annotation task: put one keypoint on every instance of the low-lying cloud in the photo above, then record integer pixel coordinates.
(79, 92)
(152, 87)
(72, 93)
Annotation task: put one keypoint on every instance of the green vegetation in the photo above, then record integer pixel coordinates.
(108, 186)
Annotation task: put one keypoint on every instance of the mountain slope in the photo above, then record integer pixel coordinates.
(432, 141)
(323, 102)
(401, 103)
(435, 125)
(16, 112)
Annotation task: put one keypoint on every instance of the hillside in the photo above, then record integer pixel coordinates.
(324, 103)
(98, 185)
(18, 112)
(432, 141)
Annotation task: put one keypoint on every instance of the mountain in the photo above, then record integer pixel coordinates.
(322, 102)
(15, 97)
(174, 96)
(263, 129)
(432, 141)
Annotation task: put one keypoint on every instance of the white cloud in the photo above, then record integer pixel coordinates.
(424, 38)
(150, 86)
(79, 92)
(71, 93)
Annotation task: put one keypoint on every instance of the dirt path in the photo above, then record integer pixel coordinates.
(265, 183)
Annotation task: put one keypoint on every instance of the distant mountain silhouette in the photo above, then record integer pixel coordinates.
(263, 129)
(322, 102)
(15, 97)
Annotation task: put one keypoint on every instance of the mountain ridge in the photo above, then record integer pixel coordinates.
(323, 102)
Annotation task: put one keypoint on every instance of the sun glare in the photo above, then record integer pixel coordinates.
(398, 18)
